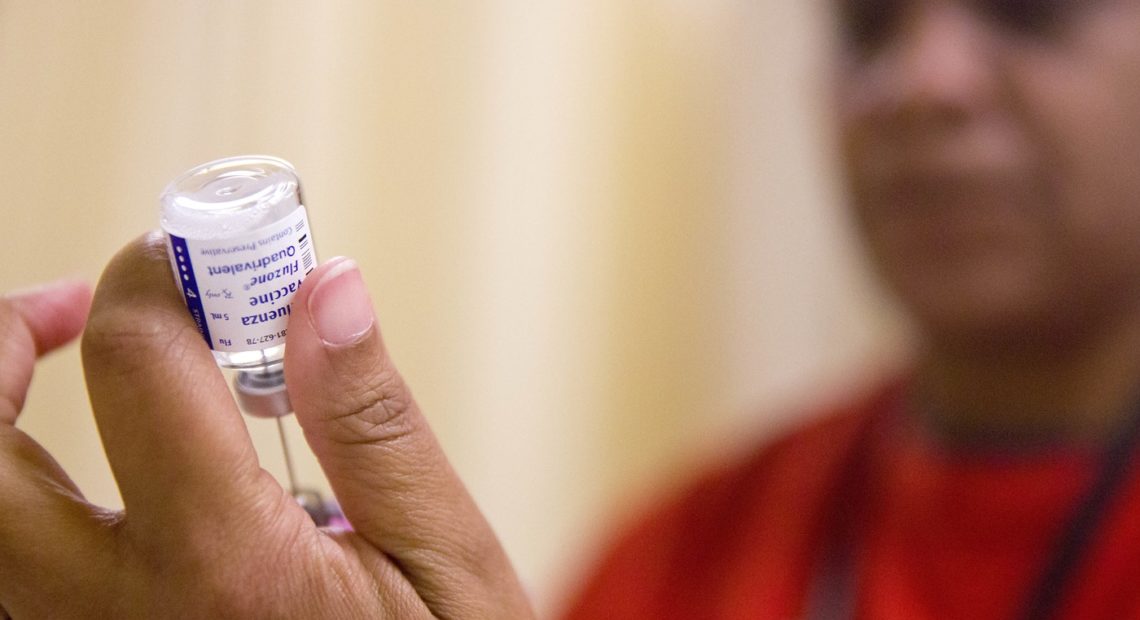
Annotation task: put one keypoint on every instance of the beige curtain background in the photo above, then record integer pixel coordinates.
(604, 236)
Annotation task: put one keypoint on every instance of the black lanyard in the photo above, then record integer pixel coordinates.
(832, 594)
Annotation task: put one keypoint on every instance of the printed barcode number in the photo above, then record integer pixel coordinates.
(306, 253)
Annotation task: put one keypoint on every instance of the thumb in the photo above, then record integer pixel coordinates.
(392, 479)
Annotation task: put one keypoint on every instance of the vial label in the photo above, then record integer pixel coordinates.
(240, 289)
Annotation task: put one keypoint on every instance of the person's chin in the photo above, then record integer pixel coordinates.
(990, 311)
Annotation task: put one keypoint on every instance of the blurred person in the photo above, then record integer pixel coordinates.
(987, 144)
(990, 152)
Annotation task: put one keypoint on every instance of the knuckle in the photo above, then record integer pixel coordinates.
(121, 340)
(110, 329)
(12, 325)
(380, 410)
(466, 549)
(17, 352)
(9, 318)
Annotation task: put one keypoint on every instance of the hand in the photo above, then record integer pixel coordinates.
(205, 531)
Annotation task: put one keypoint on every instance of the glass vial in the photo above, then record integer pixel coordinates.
(240, 246)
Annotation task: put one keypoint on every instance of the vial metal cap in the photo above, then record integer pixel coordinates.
(262, 393)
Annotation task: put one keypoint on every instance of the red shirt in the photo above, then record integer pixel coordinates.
(937, 532)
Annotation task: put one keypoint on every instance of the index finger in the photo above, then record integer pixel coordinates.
(174, 438)
(32, 323)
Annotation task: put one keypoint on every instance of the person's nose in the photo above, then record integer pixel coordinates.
(939, 71)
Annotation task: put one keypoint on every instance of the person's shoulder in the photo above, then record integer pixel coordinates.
(739, 519)
(787, 469)
(815, 446)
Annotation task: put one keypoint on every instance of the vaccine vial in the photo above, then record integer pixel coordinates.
(240, 246)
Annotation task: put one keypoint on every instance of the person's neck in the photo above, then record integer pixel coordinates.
(1074, 391)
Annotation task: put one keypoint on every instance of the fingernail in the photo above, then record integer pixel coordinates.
(339, 307)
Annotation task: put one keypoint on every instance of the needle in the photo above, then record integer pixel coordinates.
(288, 456)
